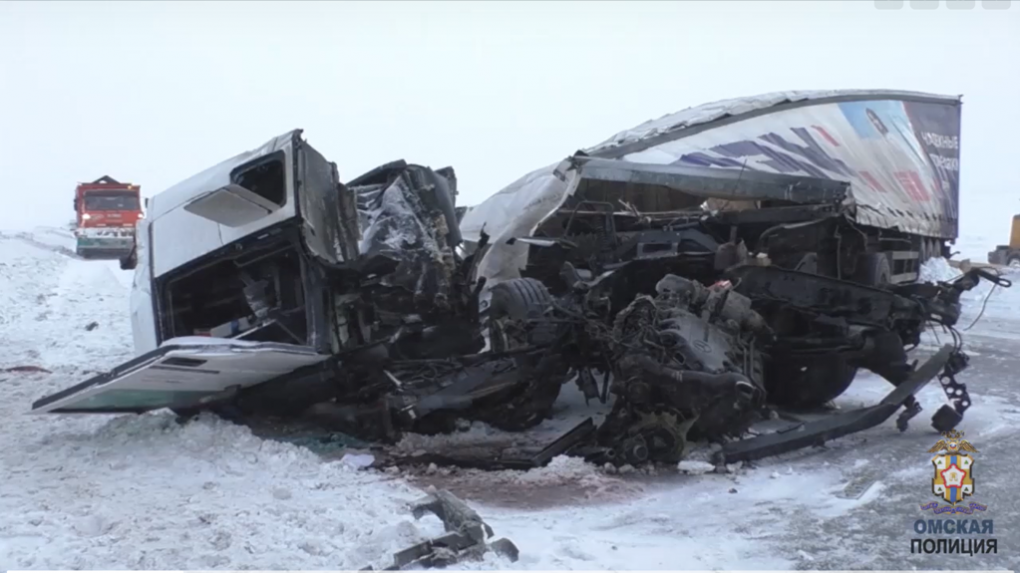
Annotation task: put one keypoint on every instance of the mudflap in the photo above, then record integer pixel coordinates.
(182, 373)
(818, 432)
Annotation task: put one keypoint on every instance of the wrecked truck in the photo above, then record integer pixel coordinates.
(891, 160)
(857, 185)
(266, 265)
(272, 294)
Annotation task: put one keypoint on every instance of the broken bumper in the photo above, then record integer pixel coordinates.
(821, 431)
(104, 247)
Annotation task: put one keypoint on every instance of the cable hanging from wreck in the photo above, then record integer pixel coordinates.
(984, 303)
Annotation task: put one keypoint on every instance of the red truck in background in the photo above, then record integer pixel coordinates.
(108, 212)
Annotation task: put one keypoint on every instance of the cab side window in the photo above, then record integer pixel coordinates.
(266, 178)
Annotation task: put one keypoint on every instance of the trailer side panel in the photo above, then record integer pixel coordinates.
(899, 150)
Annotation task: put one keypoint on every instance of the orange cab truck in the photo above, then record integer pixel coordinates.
(108, 212)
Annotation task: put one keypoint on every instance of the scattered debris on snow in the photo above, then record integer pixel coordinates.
(27, 369)
(465, 538)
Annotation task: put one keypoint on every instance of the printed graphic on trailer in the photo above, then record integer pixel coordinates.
(899, 156)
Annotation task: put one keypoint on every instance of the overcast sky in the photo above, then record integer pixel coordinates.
(151, 92)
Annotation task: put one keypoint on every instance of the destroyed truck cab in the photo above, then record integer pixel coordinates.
(266, 263)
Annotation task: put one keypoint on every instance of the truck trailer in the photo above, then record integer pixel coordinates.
(891, 159)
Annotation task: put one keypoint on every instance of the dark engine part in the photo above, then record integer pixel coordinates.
(682, 371)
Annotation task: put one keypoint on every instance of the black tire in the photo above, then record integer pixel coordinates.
(924, 251)
(129, 262)
(530, 402)
(522, 407)
(807, 383)
(875, 270)
(522, 299)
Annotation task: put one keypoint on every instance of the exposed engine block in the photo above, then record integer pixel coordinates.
(685, 367)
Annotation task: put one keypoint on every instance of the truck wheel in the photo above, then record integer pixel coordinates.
(129, 262)
(923, 252)
(530, 402)
(514, 301)
(807, 383)
(875, 270)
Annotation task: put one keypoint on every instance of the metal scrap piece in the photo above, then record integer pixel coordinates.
(465, 537)
(456, 516)
(568, 443)
(818, 432)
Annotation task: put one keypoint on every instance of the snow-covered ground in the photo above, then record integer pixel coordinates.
(142, 492)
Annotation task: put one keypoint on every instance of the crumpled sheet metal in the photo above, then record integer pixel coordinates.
(465, 538)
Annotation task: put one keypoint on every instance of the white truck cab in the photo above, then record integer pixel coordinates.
(256, 267)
